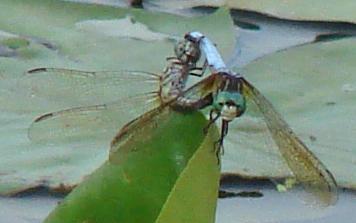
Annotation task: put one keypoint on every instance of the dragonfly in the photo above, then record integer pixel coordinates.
(85, 121)
(226, 93)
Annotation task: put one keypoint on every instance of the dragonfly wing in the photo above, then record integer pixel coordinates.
(131, 129)
(95, 121)
(196, 92)
(55, 88)
(306, 167)
(98, 122)
(200, 94)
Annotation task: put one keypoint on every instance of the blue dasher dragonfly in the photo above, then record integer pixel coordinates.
(227, 93)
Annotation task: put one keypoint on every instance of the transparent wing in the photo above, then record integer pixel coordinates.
(249, 139)
(149, 119)
(306, 167)
(59, 88)
(123, 90)
(142, 123)
(198, 95)
(196, 92)
(79, 123)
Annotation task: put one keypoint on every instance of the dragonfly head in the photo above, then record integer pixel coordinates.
(229, 104)
(187, 51)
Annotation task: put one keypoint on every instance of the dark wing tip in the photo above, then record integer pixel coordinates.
(43, 117)
(37, 70)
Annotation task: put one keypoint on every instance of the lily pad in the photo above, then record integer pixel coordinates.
(54, 30)
(15, 43)
(313, 87)
(320, 10)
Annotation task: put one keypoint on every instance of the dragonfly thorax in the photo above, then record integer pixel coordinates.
(229, 104)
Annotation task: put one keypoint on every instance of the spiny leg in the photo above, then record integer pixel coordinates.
(212, 120)
(224, 131)
(201, 69)
(171, 58)
(219, 145)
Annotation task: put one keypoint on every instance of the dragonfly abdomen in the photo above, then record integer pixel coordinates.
(173, 80)
(175, 75)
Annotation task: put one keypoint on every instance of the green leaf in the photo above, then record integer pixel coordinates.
(317, 10)
(313, 87)
(78, 36)
(168, 173)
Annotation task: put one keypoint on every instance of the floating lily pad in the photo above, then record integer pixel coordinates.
(341, 11)
(57, 39)
(313, 87)
(15, 43)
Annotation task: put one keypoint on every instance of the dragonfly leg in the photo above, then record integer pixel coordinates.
(219, 145)
(201, 69)
(218, 148)
(225, 130)
(175, 60)
(171, 58)
(212, 120)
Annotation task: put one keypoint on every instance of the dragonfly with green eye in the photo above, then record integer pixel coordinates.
(104, 119)
(227, 93)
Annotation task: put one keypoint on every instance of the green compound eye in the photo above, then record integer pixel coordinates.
(230, 99)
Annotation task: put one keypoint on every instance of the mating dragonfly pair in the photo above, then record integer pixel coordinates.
(224, 92)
